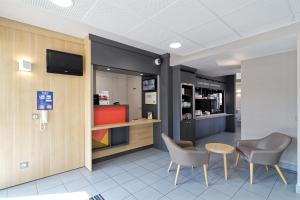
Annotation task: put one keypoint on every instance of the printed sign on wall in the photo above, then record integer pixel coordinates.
(44, 100)
(150, 98)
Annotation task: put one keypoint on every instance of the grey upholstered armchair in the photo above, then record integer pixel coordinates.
(266, 151)
(183, 153)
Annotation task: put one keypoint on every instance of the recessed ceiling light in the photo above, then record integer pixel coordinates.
(63, 3)
(142, 74)
(108, 69)
(175, 45)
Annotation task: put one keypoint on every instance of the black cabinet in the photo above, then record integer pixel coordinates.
(187, 130)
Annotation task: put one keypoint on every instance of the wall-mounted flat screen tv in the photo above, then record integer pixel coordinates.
(149, 85)
(64, 63)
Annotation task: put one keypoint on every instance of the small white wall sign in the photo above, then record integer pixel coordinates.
(150, 98)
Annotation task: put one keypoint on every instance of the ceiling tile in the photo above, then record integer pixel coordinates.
(260, 16)
(143, 8)
(110, 18)
(76, 12)
(278, 45)
(295, 7)
(225, 7)
(211, 34)
(183, 15)
(150, 33)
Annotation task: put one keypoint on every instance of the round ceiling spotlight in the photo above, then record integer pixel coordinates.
(63, 3)
(175, 45)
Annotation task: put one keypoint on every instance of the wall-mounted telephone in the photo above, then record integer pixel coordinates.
(44, 103)
(43, 120)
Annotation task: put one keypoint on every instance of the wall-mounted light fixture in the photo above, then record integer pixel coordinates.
(24, 65)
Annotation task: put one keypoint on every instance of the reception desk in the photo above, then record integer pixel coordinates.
(137, 122)
(140, 135)
(112, 133)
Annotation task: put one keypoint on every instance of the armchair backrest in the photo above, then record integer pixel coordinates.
(275, 141)
(174, 149)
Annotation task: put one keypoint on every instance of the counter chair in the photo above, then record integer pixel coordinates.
(183, 153)
(265, 151)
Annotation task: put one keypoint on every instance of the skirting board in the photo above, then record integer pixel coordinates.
(288, 166)
(297, 188)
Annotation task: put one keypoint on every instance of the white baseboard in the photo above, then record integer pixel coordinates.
(288, 166)
(297, 188)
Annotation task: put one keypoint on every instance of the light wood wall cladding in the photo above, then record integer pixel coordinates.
(88, 101)
(61, 146)
(139, 136)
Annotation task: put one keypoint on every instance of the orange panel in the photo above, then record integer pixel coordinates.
(109, 114)
(100, 139)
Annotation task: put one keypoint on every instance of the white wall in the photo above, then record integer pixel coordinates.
(116, 84)
(135, 97)
(123, 88)
(269, 100)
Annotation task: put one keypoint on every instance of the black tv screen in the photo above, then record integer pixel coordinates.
(64, 63)
(149, 85)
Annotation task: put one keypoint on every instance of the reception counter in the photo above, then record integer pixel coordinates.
(113, 133)
(137, 122)
(140, 135)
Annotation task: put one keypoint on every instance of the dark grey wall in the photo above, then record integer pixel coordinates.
(170, 103)
(165, 98)
(149, 108)
(157, 143)
(113, 54)
(230, 102)
(176, 79)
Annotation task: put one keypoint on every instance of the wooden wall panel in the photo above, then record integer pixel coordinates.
(88, 101)
(61, 146)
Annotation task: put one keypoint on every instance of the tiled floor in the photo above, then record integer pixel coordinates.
(143, 175)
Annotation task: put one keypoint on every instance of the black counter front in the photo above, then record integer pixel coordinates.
(210, 124)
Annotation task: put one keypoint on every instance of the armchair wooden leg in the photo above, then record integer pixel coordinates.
(208, 158)
(170, 166)
(267, 168)
(280, 174)
(205, 174)
(251, 173)
(238, 156)
(177, 174)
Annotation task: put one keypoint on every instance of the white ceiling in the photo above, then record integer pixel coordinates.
(153, 24)
(228, 62)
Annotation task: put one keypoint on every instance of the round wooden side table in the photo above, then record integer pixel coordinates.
(220, 149)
